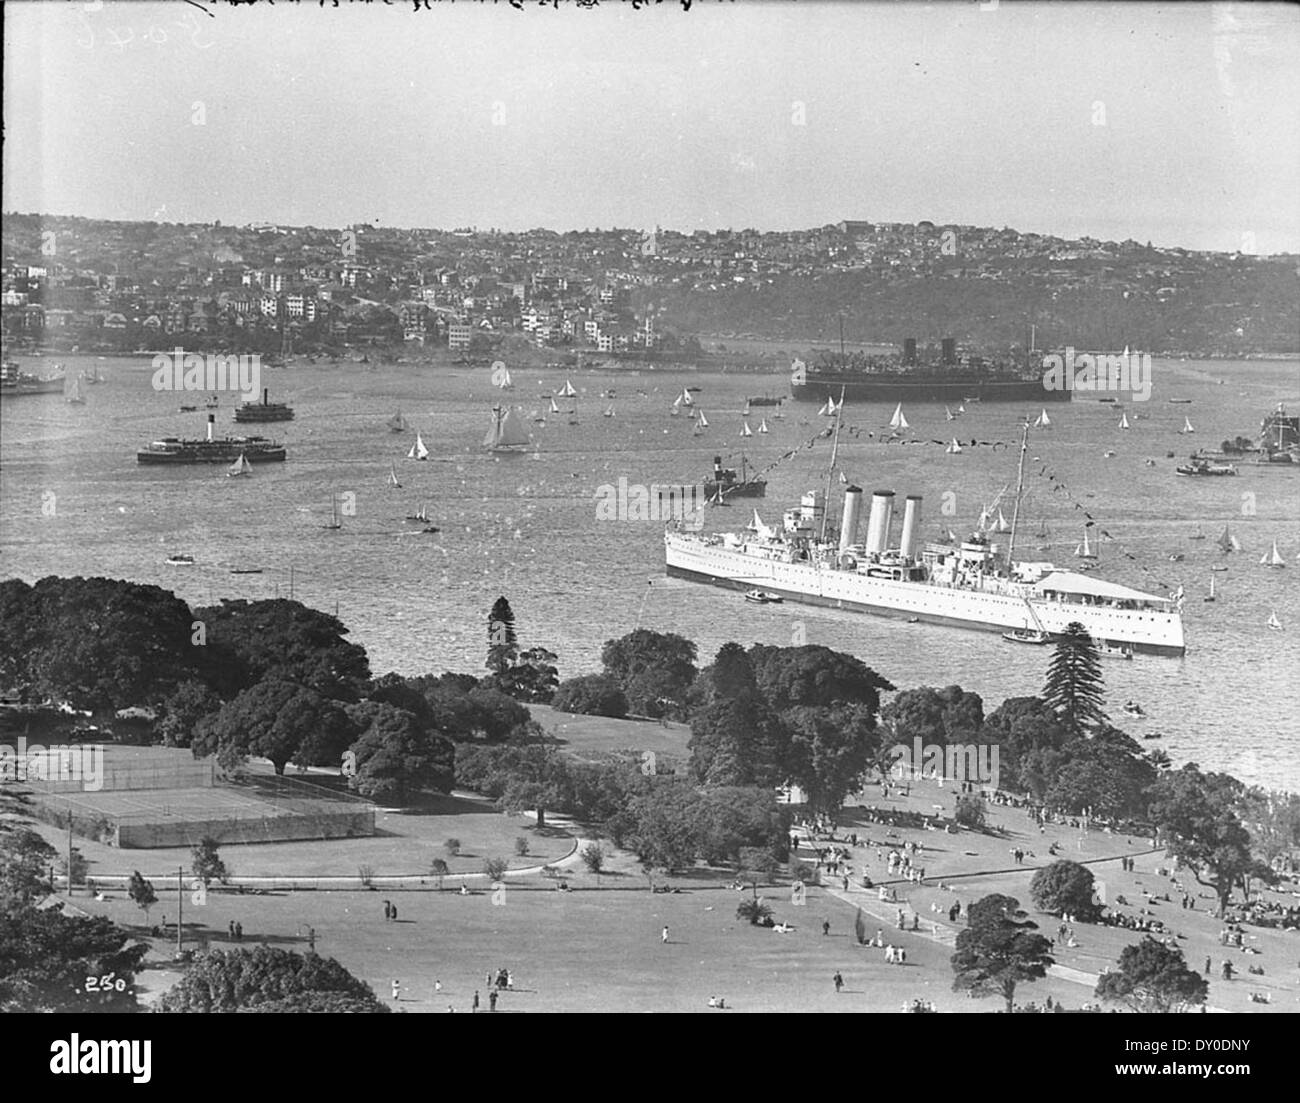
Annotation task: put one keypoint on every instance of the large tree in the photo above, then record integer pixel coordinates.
(1198, 816)
(1074, 687)
(1153, 978)
(1107, 775)
(935, 716)
(1064, 888)
(252, 642)
(503, 647)
(397, 757)
(654, 669)
(999, 950)
(97, 643)
(793, 677)
(279, 720)
(25, 861)
(46, 958)
(521, 777)
(183, 709)
(266, 978)
(736, 738)
(1029, 736)
(830, 749)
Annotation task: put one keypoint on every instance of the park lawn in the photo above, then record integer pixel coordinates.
(585, 736)
(405, 844)
(596, 950)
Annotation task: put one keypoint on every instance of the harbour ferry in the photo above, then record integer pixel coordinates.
(972, 583)
(227, 450)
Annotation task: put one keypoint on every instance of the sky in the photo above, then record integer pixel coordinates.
(1172, 123)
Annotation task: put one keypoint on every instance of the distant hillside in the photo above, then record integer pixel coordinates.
(1232, 309)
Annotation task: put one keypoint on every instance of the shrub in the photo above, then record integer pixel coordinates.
(970, 811)
(438, 868)
(367, 874)
(591, 695)
(1064, 887)
(593, 857)
(756, 911)
(495, 868)
(452, 847)
(521, 847)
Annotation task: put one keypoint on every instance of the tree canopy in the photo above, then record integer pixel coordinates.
(999, 950)
(1153, 978)
(1074, 686)
(267, 979)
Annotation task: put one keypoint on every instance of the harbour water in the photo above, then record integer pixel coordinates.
(73, 501)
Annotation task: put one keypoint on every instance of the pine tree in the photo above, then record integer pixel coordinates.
(1074, 686)
(503, 647)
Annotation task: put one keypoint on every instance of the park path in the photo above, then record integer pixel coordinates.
(885, 913)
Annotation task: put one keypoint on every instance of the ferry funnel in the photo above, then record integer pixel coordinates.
(852, 508)
(911, 525)
(882, 512)
(211, 420)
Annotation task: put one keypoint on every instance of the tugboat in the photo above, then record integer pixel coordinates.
(173, 450)
(264, 410)
(1199, 465)
(725, 484)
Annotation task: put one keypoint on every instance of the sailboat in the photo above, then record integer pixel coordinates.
(609, 412)
(686, 399)
(567, 390)
(762, 426)
(953, 448)
(961, 408)
(701, 422)
(397, 423)
(1187, 426)
(418, 450)
(240, 467)
(676, 407)
(503, 381)
(948, 415)
(1273, 558)
(1004, 525)
(1084, 550)
(422, 514)
(507, 434)
(554, 408)
(1123, 421)
(1043, 421)
(392, 477)
(335, 521)
(898, 421)
(745, 411)
(1210, 596)
(75, 397)
(745, 430)
(1197, 535)
(844, 479)
(828, 408)
(1228, 543)
(778, 415)
(1273, 622)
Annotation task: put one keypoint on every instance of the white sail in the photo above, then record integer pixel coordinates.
(1273, 558)
(392, 476)
(609, 412)
(825, 411)
(702, 421)
(1084, 550)
(504, 382)
(687, 400)
(762, 426)
(1211, 587)
(1043, 421)
(1228, 542)
(898, 421)
(1003, 524)
(844, 479)
(759, 529)
(418, 450)
(240, 467)
(554, 408)
(948, 415)
(1273, 622)
(902, 423)
(954, 448)
(567, 390)
(1123, 421)
(961, 408)
(745, 430)
(1187, 426)
(75, 396)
